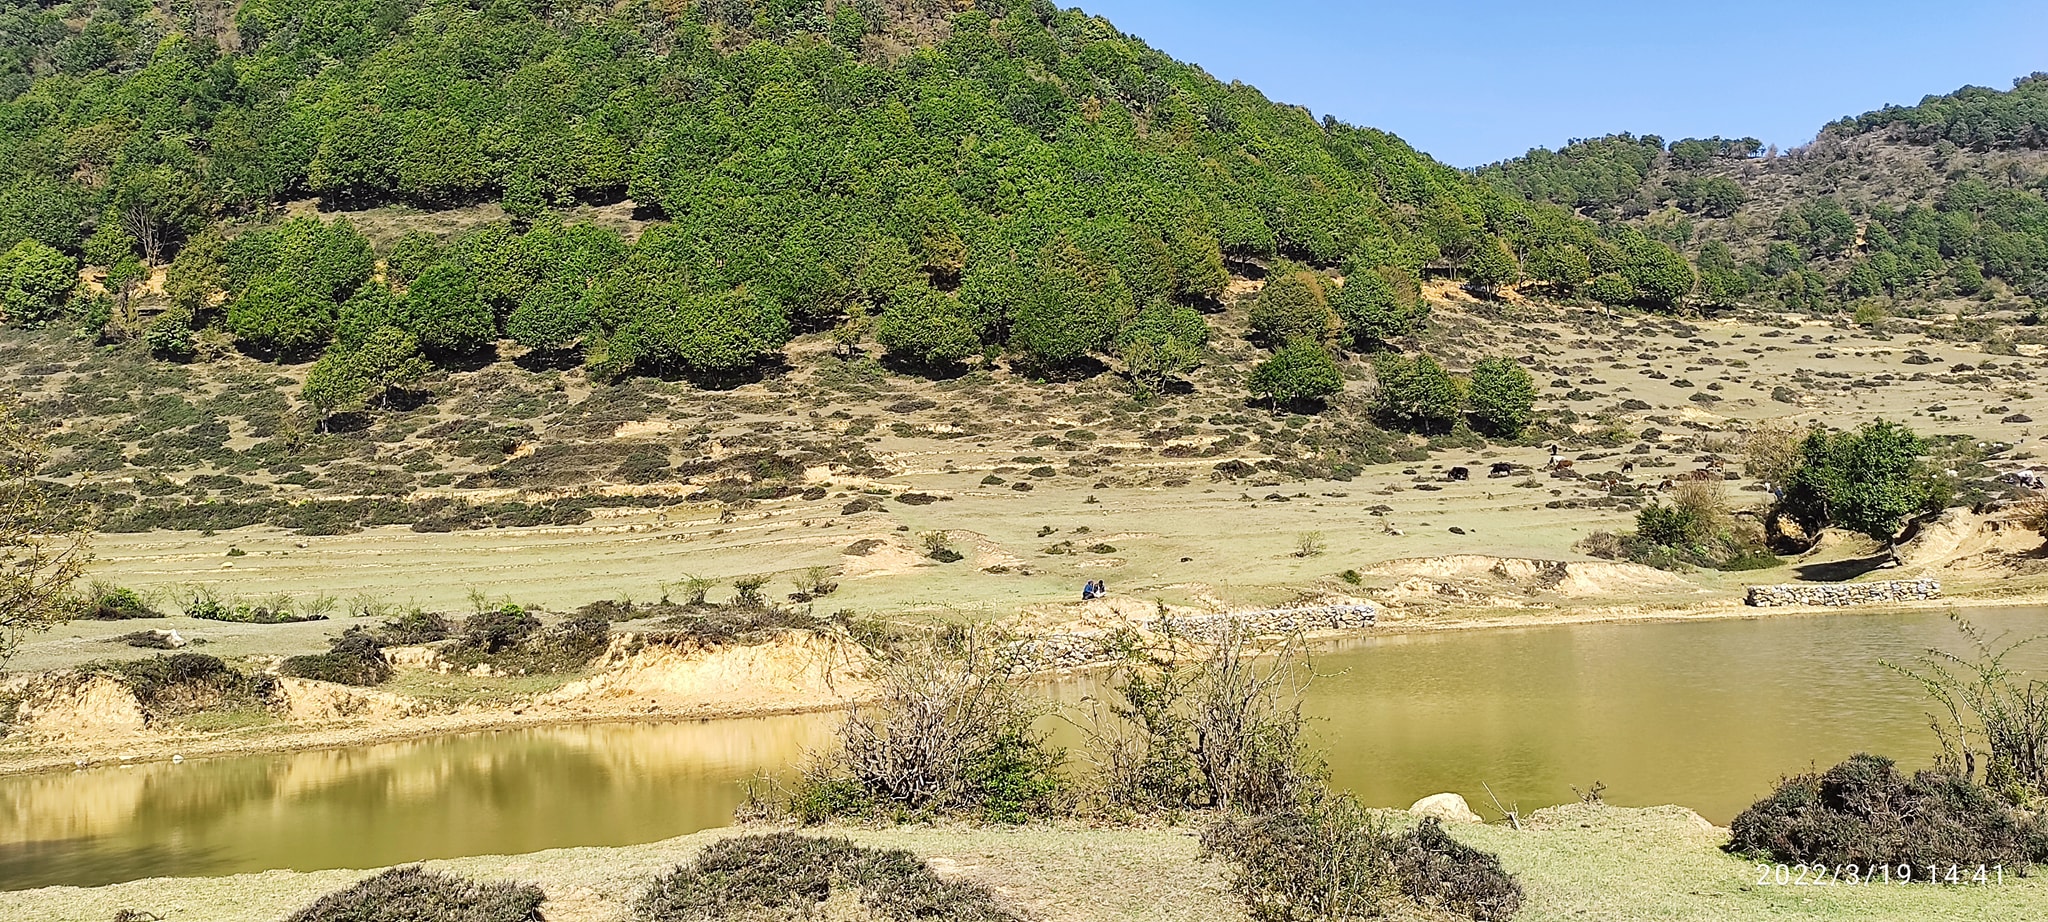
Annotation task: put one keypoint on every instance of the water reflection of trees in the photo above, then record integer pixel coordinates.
(493, 792)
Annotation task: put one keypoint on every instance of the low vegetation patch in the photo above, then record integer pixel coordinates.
(103, 601)
(185, 684)
(951, 733)
(1865, 812)
(1329, 858)
(413, 894)
(785, 876)
(279, 610)
(413, 628)
(355, 658)
(510, 639)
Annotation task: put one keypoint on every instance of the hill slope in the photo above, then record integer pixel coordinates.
(1906, 209)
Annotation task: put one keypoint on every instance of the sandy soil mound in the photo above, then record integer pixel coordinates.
(1963, 540)
(310, 700)
(77, 707)
(653, 673)
(891, 556)
(1479, 575)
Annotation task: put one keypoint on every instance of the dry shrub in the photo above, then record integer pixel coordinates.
(1328, 858)
(2033, 514)
(183, 684)
(951, 733)
(412, 894)
(1771, 450)
(1214, 723)
(354, 658)
(1605, 545)
(785, 877)
(1866, 813)
(1989, 714)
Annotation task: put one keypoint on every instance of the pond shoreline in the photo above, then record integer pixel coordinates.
(154, 746)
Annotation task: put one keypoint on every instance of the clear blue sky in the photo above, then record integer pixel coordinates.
(1480, 80)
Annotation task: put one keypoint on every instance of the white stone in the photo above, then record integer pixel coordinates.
(1450, 808)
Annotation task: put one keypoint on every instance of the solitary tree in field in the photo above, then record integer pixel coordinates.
(1502, 398)
(40, 556)
(1301, 370)
(1871, 480)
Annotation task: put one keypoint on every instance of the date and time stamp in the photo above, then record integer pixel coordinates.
(1852, 875)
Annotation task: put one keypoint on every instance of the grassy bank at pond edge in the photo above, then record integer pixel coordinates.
(1577, 863)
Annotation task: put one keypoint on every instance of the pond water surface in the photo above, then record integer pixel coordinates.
(1705, 714)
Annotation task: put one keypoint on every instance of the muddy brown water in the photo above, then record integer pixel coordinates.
(1705, 714)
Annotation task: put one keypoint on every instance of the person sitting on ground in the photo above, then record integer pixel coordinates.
(1088, 591)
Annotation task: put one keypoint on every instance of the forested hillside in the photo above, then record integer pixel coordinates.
(1898, 208)
(1013, 179)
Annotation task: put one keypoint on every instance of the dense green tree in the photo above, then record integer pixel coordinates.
(445, 311)
(1294, 305)
(1563, 267)
(199, 272)
(1300, 370)
(1660, 276)
(1072, 309)
(552, 317)
(1870, 480)
(276, 315)
(1612, 288)
(1379, 305)
(1491, 267)
(1161, 342)
(35, 282)
(348, 378)
(1417, 392)
(410, 255)
(929, 329)
(1502, 397)
(708, 337)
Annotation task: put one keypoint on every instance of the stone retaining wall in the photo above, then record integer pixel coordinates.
(1844, 594)
(1086, 648)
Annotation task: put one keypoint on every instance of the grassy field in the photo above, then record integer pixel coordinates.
(1576, 863)
(1121, 490)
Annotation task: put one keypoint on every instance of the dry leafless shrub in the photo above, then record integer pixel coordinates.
(1771, 450)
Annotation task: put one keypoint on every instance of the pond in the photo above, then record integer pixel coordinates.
(1705, 714)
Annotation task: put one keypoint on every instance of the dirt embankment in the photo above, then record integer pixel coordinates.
(65, 718)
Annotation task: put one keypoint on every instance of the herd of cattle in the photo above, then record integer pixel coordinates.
(1711, 468)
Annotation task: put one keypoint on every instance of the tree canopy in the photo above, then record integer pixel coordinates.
(1871, 480)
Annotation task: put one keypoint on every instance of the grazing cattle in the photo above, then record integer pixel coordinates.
(1461, 473)
(1664, 487)
(1628, 467)
(1502, 469)
(1560, 464)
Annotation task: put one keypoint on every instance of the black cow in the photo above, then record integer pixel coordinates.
(1461, 473)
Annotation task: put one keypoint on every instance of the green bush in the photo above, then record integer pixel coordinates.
(413, 894)
(106, 602)
(785, 876)
(1301, 370)
(1866, 813)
